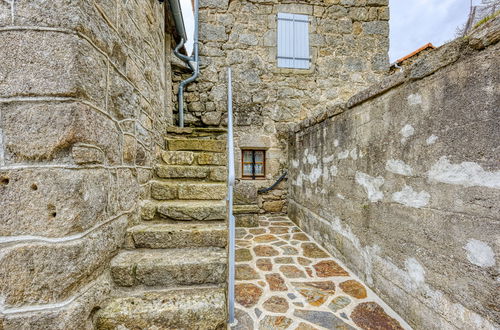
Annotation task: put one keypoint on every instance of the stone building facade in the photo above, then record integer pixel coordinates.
(402, 184)
(87, 91)
(83, 110)
(268, 99)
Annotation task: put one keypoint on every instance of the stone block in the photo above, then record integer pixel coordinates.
(179, 171)
(247, 220)
(203, 191)
(210, 32)
(218, 4)
(196, 145)
(273, 206)
(207, 158)
(123, 97)
(218, 173)
(170, 267)
(193, 210)
(295, 8)
(377, 2)
(211, 118)
(148, 210)
(244, 209)
(37, 63)
(358, 14)
(173, 309)
(124, 190)
(83, 154)
(129, 149)
(52, 202)
(376, 27)
(178, 157)
(47, 131)
(167, 236)
(76, 314)
(28, 269)
(245, 193)
(162, 191)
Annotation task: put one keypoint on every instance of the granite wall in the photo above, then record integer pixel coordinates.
(348, 44)
(402, 184)
(84, 98)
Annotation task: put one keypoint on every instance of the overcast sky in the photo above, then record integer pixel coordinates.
(413, 23)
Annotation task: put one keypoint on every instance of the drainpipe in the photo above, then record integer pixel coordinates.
(192, 61)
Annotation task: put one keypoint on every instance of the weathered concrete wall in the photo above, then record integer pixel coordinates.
(83, 103)
(403, 184)
(268, 99)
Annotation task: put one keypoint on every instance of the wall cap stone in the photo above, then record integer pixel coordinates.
(482, 37)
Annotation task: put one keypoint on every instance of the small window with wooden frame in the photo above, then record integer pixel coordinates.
(253, 164)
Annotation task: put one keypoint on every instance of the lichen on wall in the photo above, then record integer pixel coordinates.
(415, 210)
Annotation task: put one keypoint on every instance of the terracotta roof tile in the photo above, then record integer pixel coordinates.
(427, 46)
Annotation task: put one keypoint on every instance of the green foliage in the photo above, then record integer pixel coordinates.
(486, 19)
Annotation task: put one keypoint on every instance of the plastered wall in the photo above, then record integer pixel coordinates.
(402, 184)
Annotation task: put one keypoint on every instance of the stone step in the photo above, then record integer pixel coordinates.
(246, 209)
(196, 131)
(185, 210)
(212, 173)
(165, 236)
(188, 190)
(196, 145)
(169, 267)
(191, 158)
(194, 308)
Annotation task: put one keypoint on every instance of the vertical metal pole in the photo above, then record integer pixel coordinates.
(230, 183)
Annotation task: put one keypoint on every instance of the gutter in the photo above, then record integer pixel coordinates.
(175, 7)
(193, 60)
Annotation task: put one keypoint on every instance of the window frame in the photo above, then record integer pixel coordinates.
(253, 176)
(288, 47)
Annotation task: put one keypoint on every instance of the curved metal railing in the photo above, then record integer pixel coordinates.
(264, 190)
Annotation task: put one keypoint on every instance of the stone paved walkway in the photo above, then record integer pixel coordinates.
(286, 281)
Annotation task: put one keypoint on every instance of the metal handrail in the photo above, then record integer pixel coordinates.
(231, 178)
(265, 190)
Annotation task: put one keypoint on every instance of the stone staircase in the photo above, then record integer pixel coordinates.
(172, 273)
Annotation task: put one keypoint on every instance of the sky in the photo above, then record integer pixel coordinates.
(413, 23)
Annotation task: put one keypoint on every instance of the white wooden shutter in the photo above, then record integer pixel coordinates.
(293, 41)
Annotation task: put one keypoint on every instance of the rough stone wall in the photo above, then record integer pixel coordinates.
(348, 43)
(83, 104)
(403, 184)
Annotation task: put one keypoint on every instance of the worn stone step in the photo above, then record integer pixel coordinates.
(192, 157)
(192, 210)
(194, 308)
(196, 145)
(164, 236)
(246, 209)
(196, 131)
(169, 267)
(185, 210)
(212, 173)
(188, 190)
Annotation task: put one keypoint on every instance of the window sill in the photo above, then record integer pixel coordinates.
(252, 179)
(294, 71)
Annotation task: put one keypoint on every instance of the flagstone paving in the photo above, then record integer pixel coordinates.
(284, 280)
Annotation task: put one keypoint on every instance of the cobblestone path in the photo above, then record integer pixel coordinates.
(284, 280)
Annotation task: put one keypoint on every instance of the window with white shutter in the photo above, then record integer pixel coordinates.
(293, 41)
